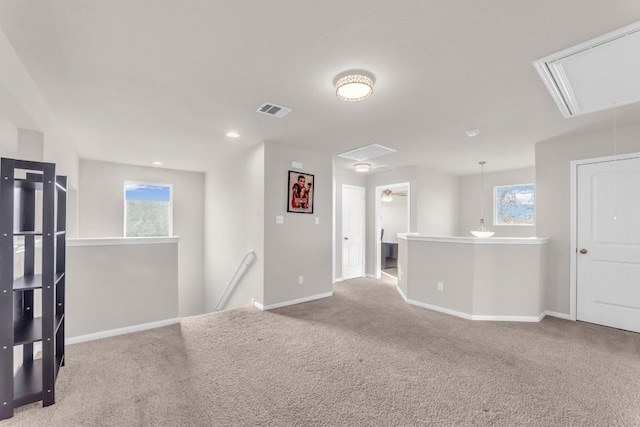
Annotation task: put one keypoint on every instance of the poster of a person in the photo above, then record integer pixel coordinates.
(300, 192)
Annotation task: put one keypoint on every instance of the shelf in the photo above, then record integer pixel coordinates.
(27, 331)
(27, 383)
(28, 283)
(27, 233)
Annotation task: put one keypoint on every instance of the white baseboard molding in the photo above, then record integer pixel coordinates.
(371, 276)
(257, 305)
(467, 316)
(292, 302)
(121, 331)
(481, 317)
(338, 280)
(404, 297)
(555, 314)
(438, 309)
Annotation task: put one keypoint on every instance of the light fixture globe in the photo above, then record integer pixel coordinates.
(354, 87)
(362, 167)
(387, 196)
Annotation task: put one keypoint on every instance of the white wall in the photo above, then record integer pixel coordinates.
(553, 193)
(299, 247)
(470, 201)
(142, 289)
(433, 200)
(101, 200)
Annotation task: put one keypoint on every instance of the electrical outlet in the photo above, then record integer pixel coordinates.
(300, 280)
(441, 286)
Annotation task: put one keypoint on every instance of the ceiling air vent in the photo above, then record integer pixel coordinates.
(381, 168)
(595, 75)
(369, 152)
(271, 109)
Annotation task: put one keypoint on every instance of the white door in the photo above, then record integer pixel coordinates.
(608, 231)
(352, 232)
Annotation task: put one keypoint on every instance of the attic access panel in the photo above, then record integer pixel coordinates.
(596, 75)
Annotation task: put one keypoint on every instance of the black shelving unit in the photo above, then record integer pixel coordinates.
(32, 210)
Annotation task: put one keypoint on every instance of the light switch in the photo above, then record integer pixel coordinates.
(317, 220)
(279, 219)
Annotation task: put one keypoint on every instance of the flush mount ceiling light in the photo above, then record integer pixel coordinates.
(354, 87)
(362, 167)
(156, 163)
(472, 132)
(232, 134)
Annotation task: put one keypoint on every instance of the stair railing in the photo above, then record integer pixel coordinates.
(246, 261)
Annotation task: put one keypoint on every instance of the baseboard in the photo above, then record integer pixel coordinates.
(467, 316)
(338, 280)
(121, 331)
(404, 297)
(439, 309)
(257, 305)
(555, 314)
(296, 301)
(532, 319)
(371, 276)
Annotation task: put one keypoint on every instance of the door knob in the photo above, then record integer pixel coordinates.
(346, 238)
(583, 251)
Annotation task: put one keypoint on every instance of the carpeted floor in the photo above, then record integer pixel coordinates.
(360, 358)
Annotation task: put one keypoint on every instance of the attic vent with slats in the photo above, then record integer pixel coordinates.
(381, 168)
(595, 75)
(271, 109)
(368, 152)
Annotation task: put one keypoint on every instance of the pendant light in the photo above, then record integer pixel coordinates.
(482, 232)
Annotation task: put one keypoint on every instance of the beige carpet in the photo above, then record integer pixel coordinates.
(361, 357)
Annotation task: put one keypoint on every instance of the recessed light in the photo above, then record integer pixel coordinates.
(472, 132)
(156, 163)
(232, 134)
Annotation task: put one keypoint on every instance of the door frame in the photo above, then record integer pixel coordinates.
(573, 276)
(364, 226)
(378, 223)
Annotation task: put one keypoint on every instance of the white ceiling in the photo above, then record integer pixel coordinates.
(144, 80)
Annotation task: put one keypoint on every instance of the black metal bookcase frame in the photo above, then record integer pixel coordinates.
(20, 212)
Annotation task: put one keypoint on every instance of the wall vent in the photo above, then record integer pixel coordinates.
(381, 168)
(596, 75)
(271, 109)
(369, 152)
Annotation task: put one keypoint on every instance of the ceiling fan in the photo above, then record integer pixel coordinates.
(387, 195)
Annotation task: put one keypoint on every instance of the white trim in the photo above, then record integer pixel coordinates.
(111, 241)
(296, 301)
(440, 309)
(257, 305)
(338, 280)
(404, 297)
(476, 240)
(371, 276)
(121, 331)
(573, 244)
(556, 314)
(530, 319)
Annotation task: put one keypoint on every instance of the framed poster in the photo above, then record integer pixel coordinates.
(514, 204)
(300, 192)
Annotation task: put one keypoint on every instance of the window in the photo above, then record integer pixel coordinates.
(147, 209)
(514, 204)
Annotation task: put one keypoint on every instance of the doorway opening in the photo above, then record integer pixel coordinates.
(393, 216)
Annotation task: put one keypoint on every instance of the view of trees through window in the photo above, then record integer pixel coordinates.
(147, 209)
